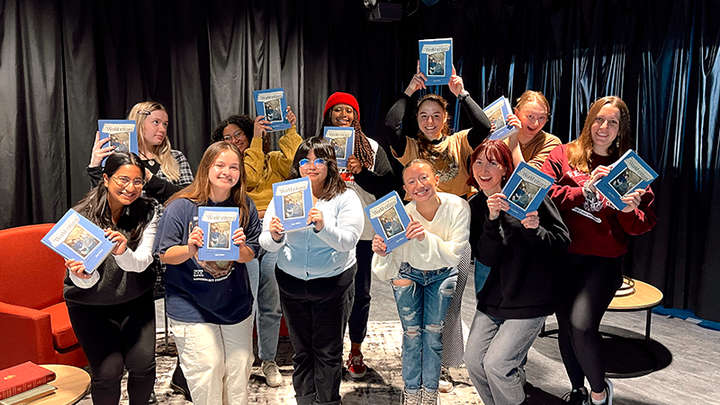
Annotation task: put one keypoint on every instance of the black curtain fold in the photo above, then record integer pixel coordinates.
(65, 64)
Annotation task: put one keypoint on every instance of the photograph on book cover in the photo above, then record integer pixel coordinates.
(625, 182)
(524, 193)
(293, 205)
(391, 223)
(338, 145)
(272, 111)
(81, 241)
(121, 141)
(436, 64)
(496, 117)
(220, 235)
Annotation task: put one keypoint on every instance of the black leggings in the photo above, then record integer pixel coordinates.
(588, 286)
(114, 337)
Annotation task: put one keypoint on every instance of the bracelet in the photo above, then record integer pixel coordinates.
(463, 95)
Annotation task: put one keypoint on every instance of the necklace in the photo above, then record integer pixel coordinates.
(151, 162)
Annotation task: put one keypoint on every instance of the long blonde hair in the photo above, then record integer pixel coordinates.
(199, 190)
(579, 151)
(162, 152)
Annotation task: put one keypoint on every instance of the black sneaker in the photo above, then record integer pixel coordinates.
(578, 396)
(179, 383)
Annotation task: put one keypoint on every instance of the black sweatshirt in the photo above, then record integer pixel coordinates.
(524, 267)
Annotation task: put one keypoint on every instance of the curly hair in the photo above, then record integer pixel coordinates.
(246, 125)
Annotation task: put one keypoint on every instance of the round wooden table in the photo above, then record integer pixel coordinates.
(72, 384)
(645, 297)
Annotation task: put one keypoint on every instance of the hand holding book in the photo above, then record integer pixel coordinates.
(456, 84)
(118, 239)
(276, 229)
(531, 221)
(415, 230)
(315, 217)
(378, 246)
(100, 150)
(77, 268)
(496, 203)
(633, 200)
(417, 82)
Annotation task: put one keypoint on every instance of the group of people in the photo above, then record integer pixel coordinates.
(563, 258)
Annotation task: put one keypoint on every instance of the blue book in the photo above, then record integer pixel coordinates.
(218, 225)
(436, 60)
(628, 174)
(75, 237)
(343, 141)
(122, 134)
(293, 201)
(497, 113)
(272, 104)
(525, 190)
(389, 219)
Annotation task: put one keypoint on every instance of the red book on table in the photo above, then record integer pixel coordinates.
(23, 377)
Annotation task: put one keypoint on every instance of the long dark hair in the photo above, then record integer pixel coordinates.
(96, 208)
(199, 190)
(334, 184)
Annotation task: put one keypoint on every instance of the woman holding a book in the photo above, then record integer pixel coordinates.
(112, 310)
(591, 268)
(315, 271)
(531, 144)
(370, 175)
(425, 134)
(209, 304)
(424, 275)
(263, 168)
(167, 171)
(519, 292)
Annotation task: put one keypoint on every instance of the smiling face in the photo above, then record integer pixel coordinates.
(155, 127)
(533, 117)
(431, 118)
(420, 182)
(605, 129)
(317, 173)
(233, 134)
(342, 115)
(488, 174)
(224, 174)
(124, 186)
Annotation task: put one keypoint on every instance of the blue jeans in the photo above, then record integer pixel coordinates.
(495, 349)
(422, 307)
(266, 305)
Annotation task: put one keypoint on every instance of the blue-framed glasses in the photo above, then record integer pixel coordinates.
(319, 162)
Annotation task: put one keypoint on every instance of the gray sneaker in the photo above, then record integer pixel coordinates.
(430, 398)
(270, 370)
(411, 399)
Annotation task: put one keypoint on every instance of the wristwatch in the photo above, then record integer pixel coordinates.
(463, 95)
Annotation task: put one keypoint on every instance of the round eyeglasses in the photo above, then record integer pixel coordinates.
(319, 162)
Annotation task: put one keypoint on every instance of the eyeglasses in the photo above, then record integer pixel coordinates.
(319, 162)
(237, 135)
(123, 181)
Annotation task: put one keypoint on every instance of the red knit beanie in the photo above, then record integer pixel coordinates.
(342, 98)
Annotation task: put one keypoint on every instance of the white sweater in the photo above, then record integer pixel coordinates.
(446, 236)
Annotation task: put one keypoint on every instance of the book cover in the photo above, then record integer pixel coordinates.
(23, 377)
(74, 237)
(122, 134)
(343, 141)
(497, 113)
(218, 225)
(628, 174)
(525, 190)
(272, 104)
(389, 219)
(293, 201)
(436, 60)
(30, 395)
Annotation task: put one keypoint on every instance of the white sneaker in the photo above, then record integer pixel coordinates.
(445, 384)
(430, 398)
(411, 399)
(270, 370)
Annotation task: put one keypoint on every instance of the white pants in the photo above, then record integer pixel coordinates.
(216, 359)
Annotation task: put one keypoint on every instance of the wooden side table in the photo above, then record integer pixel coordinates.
(72, 384)
(645, 297)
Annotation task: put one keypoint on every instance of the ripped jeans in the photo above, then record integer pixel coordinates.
(422, 306)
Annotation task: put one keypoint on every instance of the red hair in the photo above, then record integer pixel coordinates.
(496, 151)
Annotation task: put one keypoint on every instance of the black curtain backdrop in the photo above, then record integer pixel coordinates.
(65, 64)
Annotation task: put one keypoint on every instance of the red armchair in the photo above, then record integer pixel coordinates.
(34, 321)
